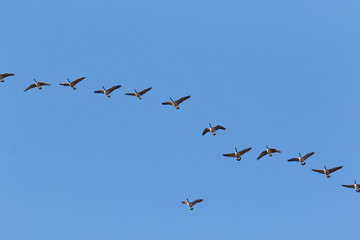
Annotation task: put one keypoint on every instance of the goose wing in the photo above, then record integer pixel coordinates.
(334, 169)
(64, 84)
(145, 91)
(318, 170)
(30, 87)
(76, 81)
(180, 100)
(274, 150)
(219, 127)
(4, 75)
(184, 202)
(196, 201)
(205, 131)
(43, 84)
(244, 151)
(261, 155)
(308, 155)
(229, 154)
(349, 186)
(166, 103)
(293, 160)
(130, 94)
(113, 88)
(99, 91)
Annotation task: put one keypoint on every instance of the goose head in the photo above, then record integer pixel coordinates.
(68, 80)
(104, 88)
(236, 150)
(135, 91)
(210, 125)
(171, 99)
(34, 80)
(300, 155)
(187, 200)
(267, 147)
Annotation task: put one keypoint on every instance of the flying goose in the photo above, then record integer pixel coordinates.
(138, 94)
(191, 204)
(73, 83)
(356, 186)
(237, 154)
(5, 75)
(36, 84)
(301, 159)
(269, 151)
(177, 102)
(212, 129)
(327, 171)
(107, 91)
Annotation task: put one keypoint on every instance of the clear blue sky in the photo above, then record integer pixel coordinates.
(76, 165)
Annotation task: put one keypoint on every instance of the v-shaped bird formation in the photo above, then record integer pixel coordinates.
(237, 154)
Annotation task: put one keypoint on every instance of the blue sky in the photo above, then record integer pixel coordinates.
(77, 165)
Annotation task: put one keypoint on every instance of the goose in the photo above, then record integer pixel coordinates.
(138, 94)
(301, 159)
(212, 129)
(237, 154)
(327, 171)
(356, 186)
(5, 75)
(107, 91)
(177, 102)
(191, 204)
(269, 151)
(37, 84)
(73, 83)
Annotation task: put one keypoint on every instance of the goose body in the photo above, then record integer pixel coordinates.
(107, 91)
(191, 204)
(176, 103)
(355, 186)
(237, 153)
(326, 171)
(37, 84)
(301, 159)
(212, 130)
(138, 94)
(268, 151)
(5, 75)
(73, 83)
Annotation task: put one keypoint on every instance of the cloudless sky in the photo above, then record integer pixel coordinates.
(79, 165)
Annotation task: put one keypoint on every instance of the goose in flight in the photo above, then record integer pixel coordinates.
(5, 75)
(237, 154)
(138, 94)
(107, 91)
(177, 102)
(212, 129)
(73, 83)
(269, 151)
(191, 204)
(301, 159)
(327, 171)
(37, 84)
(355, 186)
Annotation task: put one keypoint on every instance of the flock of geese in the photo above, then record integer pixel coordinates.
(237, 154)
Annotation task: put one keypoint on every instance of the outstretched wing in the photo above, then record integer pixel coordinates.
(244, 151)
(274, 150)
(205, 131)
(229, 154)
(4, 75)
(145, 91)
(30, 87)
(261, 155)
(113, 88)
(196, 201)
(76, 81)
(334, 169)
(64, 84)
(166, 103)
(180, 100)
(219, 127)
(349, 186)
(183, 202)
(130, 94)
(318, 170)
(99, 91)
(43, 84)
(293, 160)
(308, 155)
